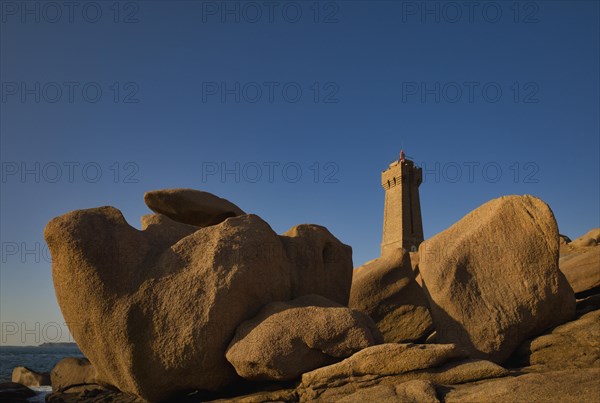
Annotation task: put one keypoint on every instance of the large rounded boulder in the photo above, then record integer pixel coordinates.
(154, 310)
(73, 372)
(492, 278)
(287, 339)
(154, 321)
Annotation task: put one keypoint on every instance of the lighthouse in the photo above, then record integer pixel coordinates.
(402, 224)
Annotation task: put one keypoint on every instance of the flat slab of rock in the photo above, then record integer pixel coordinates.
(570, 386)
(386, 290)
(15, 392)
(416, 391)
(588, 304)
(574, 344)
(492, 278)
(280, 395)
(390, 364)
(93, 396)
(591, 238)
(189, 206)
(287, 339)
(582, 268)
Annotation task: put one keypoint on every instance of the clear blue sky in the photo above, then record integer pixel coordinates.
(463, 91)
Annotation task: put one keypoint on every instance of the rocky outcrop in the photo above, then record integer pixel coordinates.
(154, 314)
(574, 344)
(28, 377)
(386, 290)
(569, 386)
(416, 391)
(589, 303)
(287, 339)
(278, 395)
(320, 263)
(157, 321)
(492, 279)
(207, 302)
(164, 231)
(582, 269)
(93, 396)
(414, 264)
(193, 207)
(580, 263)
(390, 364)
(591, 238)
(563, 240)
(15, 392)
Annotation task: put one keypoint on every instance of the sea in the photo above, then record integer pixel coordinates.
(38, 358)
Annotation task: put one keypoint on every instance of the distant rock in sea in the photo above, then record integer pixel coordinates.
(59, 345)
(29, 377)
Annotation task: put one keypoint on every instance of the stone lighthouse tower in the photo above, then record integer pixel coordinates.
(402, 225)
